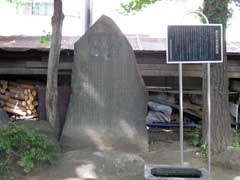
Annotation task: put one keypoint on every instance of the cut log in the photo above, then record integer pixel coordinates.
(26, 92)
(23, 84)
(18, 96)
(14, 111)
(29, 102)
(30, 117)
(29, 112)
(4, 86)
(34, 111)
(17, 102)
(30, 97)
(2, 90)
(4, 97)
(31, 107)
(24, 103)
(25, 97)
(3, 82)
(29, 91)
(34, 93)
(35, 103)
(7, 94)
(13, 84)
(28, 86)
(22, 108)
(19, 99)
(14, 89)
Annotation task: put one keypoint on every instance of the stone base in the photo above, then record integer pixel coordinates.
(97, 165)
(168, 172)
(228, 159)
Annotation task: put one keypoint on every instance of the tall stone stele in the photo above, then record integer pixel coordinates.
(108, 103)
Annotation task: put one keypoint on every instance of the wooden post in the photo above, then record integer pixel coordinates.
(53, 62)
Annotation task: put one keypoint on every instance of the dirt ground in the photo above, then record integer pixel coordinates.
(164, 149)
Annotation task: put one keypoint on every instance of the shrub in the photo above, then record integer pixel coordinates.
(196, 140)
(23, 147)
(236, 141)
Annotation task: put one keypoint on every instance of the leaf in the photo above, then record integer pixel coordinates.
(17, 142)
(42, 39)
(196, 143)
(204, 146)
(135, 6)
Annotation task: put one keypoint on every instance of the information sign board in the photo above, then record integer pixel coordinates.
(194, 44)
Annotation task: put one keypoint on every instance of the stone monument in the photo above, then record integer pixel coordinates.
(108, 103)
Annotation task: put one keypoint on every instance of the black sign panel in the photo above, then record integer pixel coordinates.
(194, 44)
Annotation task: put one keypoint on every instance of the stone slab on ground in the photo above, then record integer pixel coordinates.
(97, 165)
(108, 103)
(230, 158)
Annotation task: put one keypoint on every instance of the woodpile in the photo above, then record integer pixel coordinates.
(19, 99)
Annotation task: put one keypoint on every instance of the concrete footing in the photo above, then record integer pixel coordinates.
(168, 172)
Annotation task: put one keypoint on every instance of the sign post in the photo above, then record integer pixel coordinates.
(209, 118)
(189, 44)
(181, 113)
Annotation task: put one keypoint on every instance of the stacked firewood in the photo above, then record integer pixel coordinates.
(19, 99)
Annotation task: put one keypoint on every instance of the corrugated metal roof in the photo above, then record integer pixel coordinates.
(22, 43)
(138, 42)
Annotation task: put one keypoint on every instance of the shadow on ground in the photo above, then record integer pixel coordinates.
(111, 165)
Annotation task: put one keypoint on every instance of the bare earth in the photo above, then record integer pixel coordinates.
(108, 165)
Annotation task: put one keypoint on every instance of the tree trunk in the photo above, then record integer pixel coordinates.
(53, 61)
(220, 119)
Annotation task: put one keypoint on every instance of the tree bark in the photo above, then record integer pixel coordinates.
(53, 61)
(220, 119)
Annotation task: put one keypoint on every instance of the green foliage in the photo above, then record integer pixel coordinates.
(17, 2)
(196, 140)
(236, 145)
(45, 39)
(204, 148)
(213, 13)
(202, 19)
(236, 141)
(135, 6)
(22, 147)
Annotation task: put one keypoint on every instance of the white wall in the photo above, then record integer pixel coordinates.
(12, 24)
(151, 21)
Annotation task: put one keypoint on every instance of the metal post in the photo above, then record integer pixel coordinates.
(209, 118)
(181, 95)
(181, 112)
(209, 100)
(237, 108)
